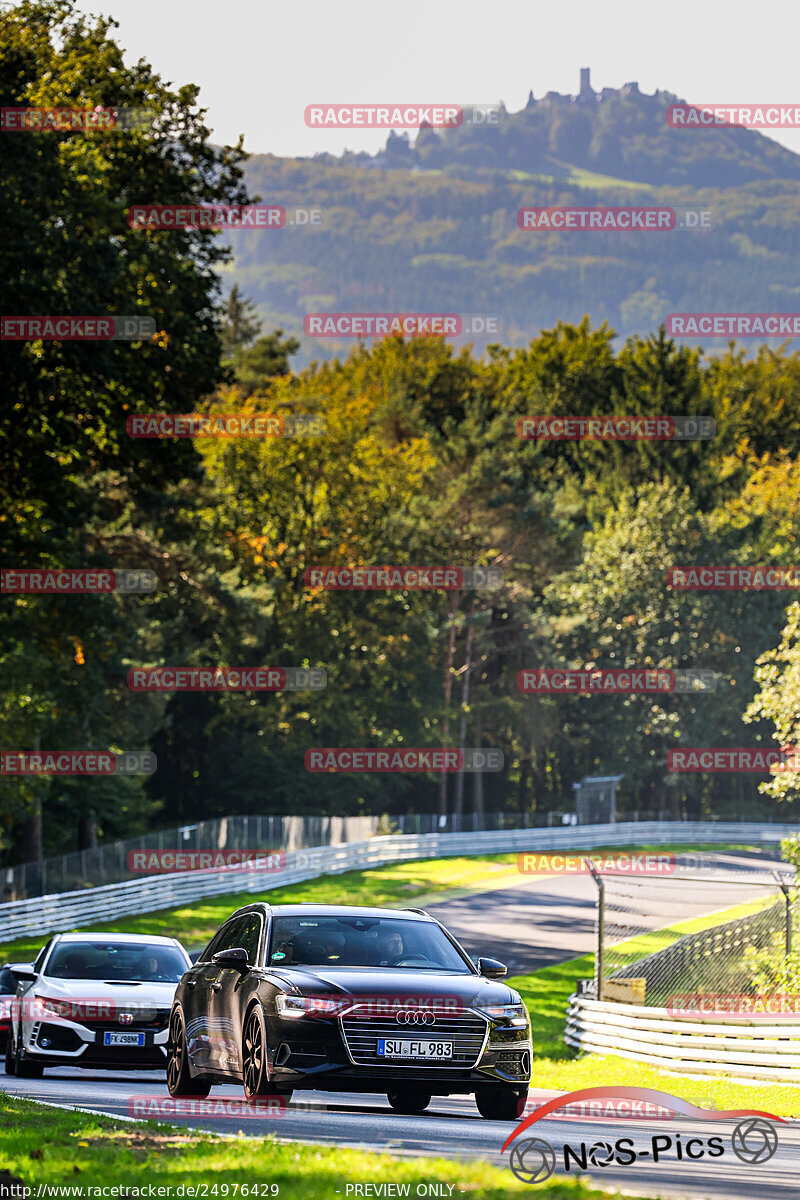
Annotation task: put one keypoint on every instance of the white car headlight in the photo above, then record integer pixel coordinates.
(310, 1006)
(52, 1006)
(516, 1013)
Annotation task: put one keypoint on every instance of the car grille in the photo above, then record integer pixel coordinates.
(143, 1018)
(467, 1032)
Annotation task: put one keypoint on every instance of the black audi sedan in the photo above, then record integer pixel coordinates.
(340, 998)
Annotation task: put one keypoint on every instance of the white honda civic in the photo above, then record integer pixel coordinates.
(94, 1000)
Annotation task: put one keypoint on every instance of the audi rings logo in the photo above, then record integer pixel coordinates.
(413, 1016)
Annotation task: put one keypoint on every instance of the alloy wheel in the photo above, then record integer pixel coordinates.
(175, 1047)
(253, 1057)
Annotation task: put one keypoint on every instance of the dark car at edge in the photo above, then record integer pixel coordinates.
(344, 998)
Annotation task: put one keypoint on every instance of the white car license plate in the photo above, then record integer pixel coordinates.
(396, 1048)
(123, 1039)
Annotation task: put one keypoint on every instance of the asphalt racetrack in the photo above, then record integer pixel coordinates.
(538, 922)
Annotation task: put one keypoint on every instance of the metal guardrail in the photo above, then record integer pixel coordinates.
(736, 1047)
(108, 863)
(43, 915)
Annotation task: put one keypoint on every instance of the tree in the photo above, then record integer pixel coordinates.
(242, 326)
(778, 700)
(269, 358)
(69, 475)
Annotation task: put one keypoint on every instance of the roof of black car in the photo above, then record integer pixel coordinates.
(310, 909)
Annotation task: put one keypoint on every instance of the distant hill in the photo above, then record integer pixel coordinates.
(430, 224)
(618, 132)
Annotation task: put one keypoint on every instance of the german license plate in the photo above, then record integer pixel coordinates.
(123, 1039)
(400, 1048)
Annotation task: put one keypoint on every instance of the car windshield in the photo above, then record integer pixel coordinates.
(314, 941)
(130, 962)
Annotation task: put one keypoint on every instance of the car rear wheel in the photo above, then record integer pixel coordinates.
(179, 1080)
(409, 1100)
(255, 1059)
(11, 1061)
(500, 1104)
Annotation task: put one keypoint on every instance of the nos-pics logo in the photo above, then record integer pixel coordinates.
(533, 1160)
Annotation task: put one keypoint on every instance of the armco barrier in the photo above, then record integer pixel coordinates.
(735, 1047)
(43, 915)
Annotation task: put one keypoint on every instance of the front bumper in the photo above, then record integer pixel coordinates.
(327, 1055)
(62, 1042)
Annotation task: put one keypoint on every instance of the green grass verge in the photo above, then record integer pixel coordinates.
(84, 1150)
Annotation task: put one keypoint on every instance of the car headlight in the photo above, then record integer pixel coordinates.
(515, 1013)
(57, 1008)
(310, 1006)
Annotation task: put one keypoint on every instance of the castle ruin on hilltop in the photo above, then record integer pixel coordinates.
(586, 93)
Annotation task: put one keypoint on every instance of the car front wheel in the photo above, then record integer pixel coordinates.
(409, 1100)
(24, 1068)
(500, 1104)
(179, 1080)
(11, 1060)
(255, 1060)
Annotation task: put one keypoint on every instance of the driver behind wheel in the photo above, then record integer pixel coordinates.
(390, 949)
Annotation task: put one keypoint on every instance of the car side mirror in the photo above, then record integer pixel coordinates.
(236, 959)
(22, 972)
(490, 968)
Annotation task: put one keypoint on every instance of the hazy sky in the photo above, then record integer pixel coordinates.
(259, 63)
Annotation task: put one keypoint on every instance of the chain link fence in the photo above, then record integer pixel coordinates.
(652, 946)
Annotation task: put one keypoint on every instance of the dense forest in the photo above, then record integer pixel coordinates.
(420, 463)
